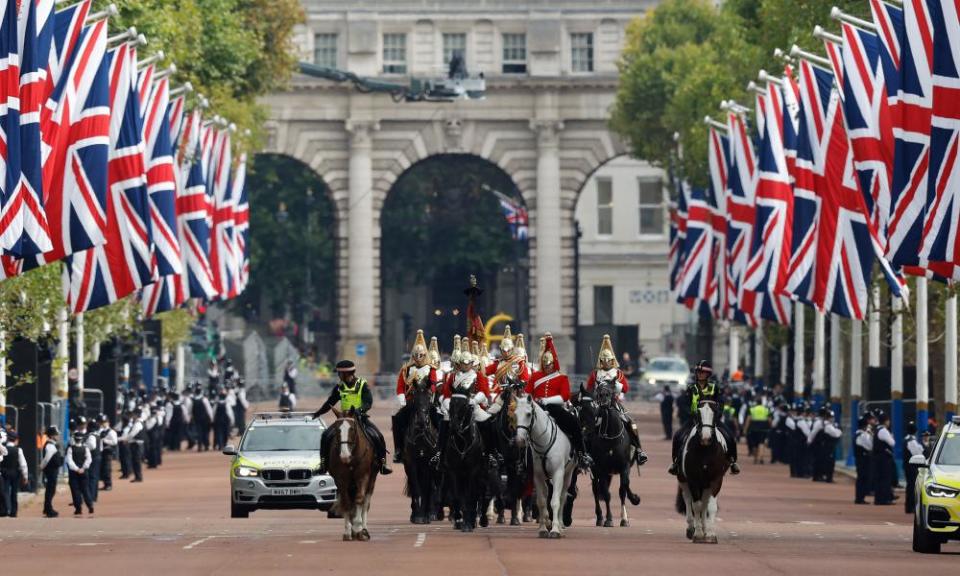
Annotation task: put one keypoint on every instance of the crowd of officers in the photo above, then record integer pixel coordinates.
(148, 424)
(805, 439)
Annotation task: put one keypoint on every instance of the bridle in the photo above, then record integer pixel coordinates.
(712, 425)
(528, 429)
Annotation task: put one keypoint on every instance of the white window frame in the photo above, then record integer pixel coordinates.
(505, 61)
(335, 47)
(445, 55)
(602, 208)
(394, 63)
(574, 48)
(643, 206)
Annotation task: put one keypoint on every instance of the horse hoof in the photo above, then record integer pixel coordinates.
(710, 539)
(599, 522)
(624, 523)
(458, 525)
(634, 499)
(543, 534)
(514, 521)
(608, 523)
(689, 533)
(501, 519)
(347, 538)
(484, 522)
(554, 536)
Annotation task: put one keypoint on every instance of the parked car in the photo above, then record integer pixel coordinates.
(670, 371)
(936, 518)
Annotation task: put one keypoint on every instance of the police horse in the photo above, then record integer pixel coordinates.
(703, 464)
(420, 444)
(553, 463)
(610, 448)
(354, 467)
(464, 464)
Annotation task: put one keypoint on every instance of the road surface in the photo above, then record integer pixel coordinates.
(177, 522)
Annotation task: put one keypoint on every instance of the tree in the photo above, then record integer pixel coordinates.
(681, 59)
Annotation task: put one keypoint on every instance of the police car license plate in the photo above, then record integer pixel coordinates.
(286, 492)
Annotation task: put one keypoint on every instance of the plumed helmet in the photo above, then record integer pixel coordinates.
(521, 346)
(434, 352)
(419, 352)
(506, 343)
(607, 355)
(457, 351)
(548, 352)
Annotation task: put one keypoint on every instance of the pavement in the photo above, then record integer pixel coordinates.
(177, 522)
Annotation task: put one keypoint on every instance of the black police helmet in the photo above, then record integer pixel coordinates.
(911, 427)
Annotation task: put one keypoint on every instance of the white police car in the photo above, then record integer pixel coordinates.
(276, 465)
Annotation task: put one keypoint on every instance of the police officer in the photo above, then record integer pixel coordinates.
(830, 434)
(175, 422)
(50, 467)
(94, 444)
(757, 426)
(883, 446)
(241, 407)
(704, 387)
(353, 394)
(666, 400)
(152, 428)
(863, 457)
(123, 446)
(13, 468)
(288, 400)
(108, 439)
(804, 453)
(790, 439)
(135, 437)
(202, 416)
(222, 420)
(78, 464)
(778, 432)
(911, 447)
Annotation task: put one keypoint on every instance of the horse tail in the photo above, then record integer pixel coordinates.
(681, 504)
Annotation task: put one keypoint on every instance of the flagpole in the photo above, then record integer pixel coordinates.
(896, 372)
(836, 386)
(734, 360)
(950, 344)
(819, 361)
(63, 353)
(873, 336)
(856, 383)
(758, 356)
(80, 337)
(923, 355)
(798, 352)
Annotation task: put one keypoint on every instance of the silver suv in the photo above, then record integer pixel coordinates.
(276, 465)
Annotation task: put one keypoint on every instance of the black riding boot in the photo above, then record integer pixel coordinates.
(731, 449)
(379, 445)
(678, 437)
(397, 421)
(324, 451)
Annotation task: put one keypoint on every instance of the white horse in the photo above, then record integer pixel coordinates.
(553, 466)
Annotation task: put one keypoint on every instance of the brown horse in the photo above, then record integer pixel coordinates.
(703, 465)
(354, 467)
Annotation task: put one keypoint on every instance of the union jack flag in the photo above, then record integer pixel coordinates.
(241, 220)
(941, 241)
(515, 214)
(177, 115)
(222, 257)
(769, 251)
(192, 225)
(161, 176)
(104, 274)
(911, 127)
(694, 276)
(78, 135)
(837, 245)
(24, 225)
(11, 224)
(715, 291)
(740, 213)
(869, 121)
(678, 231)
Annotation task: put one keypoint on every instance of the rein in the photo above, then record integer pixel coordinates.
(553, 433)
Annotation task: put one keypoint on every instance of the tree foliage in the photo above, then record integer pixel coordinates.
(289, 230)
(682, 58)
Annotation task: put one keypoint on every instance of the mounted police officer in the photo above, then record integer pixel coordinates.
(608, 370)
(353, 394)
(704, 387)
(416, 370)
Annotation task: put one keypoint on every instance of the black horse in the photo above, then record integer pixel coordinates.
(465, 465)
(419, 446)
(609, 444)
(516, 461)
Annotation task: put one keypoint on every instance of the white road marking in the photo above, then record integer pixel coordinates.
(889, 523)
(192, 545)
(308, 541)
(87, 544)
(810, 523)
(421, 538)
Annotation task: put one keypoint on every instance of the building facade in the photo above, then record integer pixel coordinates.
(551, 78)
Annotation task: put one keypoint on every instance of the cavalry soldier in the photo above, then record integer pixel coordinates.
(608, 370)
(510, 368)
(704, 387)
(416, 370)
(354, 395)
(550, 388)
(465, 380)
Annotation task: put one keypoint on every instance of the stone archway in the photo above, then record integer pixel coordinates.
(548, 137)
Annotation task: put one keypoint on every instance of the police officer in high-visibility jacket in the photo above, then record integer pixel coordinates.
(704, 387)
(353, 394)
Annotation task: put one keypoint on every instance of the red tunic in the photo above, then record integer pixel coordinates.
(621, 379)
(523, 373)
(402, 384)
(545, 385)
(480, 385)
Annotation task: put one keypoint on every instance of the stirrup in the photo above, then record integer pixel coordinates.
(734, 468)
(586, 461)
(385, 468)
(641, 457)
(673, 469)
